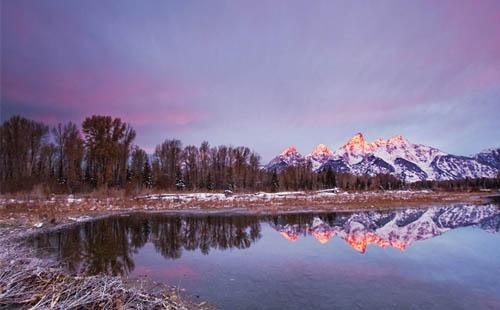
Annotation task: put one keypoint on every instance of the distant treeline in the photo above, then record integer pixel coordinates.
(102, 155)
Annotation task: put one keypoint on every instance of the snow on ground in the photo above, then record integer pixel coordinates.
(263, 196)
(231, 197)
(326, 197)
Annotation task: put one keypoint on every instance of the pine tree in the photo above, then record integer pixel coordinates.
(210, 182)
(147, 177)
(275, 184)
(179, 181)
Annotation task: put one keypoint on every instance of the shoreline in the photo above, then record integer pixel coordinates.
(53, 211)
(45, 279)
(28, 281)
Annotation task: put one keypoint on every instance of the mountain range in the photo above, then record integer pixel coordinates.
(397, 156)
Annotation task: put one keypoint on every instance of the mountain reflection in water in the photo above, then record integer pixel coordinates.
(108, 245)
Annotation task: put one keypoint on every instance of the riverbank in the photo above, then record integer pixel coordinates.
(26, 211)
(27, 281)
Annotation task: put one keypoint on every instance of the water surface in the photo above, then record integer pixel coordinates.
(437, 258)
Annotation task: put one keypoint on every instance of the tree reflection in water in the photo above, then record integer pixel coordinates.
(106, 245)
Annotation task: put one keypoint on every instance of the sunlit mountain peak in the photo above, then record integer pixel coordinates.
(357, 139)
(289, 150)
(321, 149)
(396, 139)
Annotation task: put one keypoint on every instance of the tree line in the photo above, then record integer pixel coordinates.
(101, 154)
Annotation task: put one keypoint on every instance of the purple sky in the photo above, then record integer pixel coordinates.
(266, 74)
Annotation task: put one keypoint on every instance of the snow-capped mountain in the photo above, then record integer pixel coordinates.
(289, 157)
(399, 157)
(356, 149)
(319, 156)
(490, 157)
(397, 229)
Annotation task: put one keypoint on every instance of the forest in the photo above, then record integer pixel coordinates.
(101, 154)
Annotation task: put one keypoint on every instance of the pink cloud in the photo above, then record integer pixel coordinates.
(138, 98)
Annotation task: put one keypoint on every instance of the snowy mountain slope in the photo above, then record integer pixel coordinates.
(397, 156)
(448, 167)
(372, 165)
(490, 157)
(337, 165)
(289, 157)
(408, 170)
(320, 155)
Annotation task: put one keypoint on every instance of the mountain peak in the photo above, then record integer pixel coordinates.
(397, 139)
(321, 149)
(357, 145)
(289, 150)
(357, 139)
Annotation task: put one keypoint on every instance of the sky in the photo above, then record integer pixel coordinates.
(265, 74)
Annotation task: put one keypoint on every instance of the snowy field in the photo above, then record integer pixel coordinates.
(263, 196)
(179, 198)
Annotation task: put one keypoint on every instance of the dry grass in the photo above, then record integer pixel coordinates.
(27, 282)
(47, 288)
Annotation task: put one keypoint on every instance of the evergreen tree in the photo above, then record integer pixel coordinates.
(147, 177)
(275, 185)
